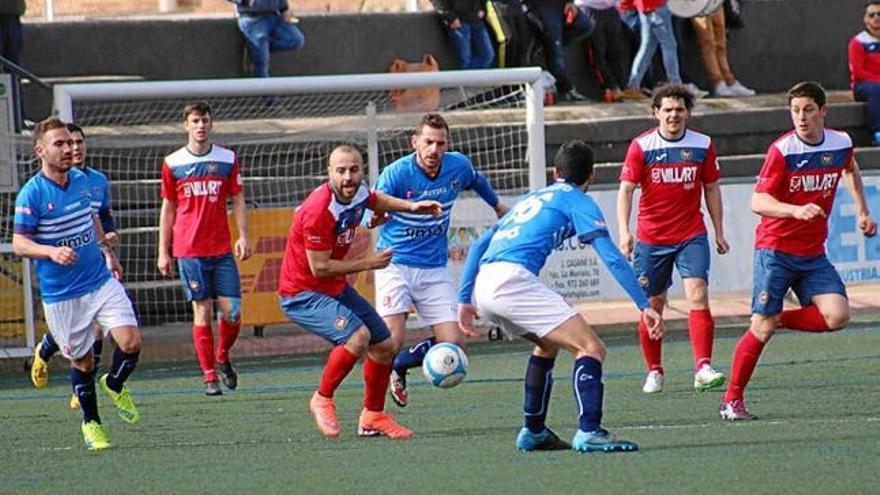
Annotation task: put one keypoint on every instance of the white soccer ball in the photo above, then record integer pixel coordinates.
(445, 365)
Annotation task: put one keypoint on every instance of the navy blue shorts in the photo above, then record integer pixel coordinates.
(653, 263)
(335, 318)
(776, 272)
(209, 277)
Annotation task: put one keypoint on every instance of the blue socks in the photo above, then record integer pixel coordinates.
(539, 382)
(588, 392)
(97, 348)
(123, 365)
(84, 387)
(49, 347)
(413, 356)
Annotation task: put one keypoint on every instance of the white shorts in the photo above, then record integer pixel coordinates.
(429, 290)
(71, 321)
(518, 301)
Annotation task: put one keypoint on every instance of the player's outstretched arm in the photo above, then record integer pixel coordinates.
(322, 265)
(766, 205)
(466, 310)
(712, 193)
(166, 222)
(243, 249)
(384, 202)
(852, 180)
(482, 187)
(625, 239)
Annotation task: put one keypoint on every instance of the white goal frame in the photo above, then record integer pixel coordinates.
(66, 94)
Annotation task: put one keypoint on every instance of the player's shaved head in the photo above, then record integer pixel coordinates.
(574, 162)
(345, 168)
(344, 149)
(808, 89)
(45, 126)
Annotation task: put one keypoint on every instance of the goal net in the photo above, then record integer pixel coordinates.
(282, 130)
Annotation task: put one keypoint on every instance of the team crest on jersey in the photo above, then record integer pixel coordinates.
(340, 323)
(686, 155)
(212, 167)
(827, 158)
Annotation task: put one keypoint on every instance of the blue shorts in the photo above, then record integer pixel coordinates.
(774, 272)
(653, 263)
(335, 318)
(209, 277)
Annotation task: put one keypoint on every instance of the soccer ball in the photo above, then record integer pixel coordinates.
(445, 365)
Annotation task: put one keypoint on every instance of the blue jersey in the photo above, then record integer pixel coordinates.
(528, 233)
(537, 225)
(99, 187)
(420, 240)
(53, 215)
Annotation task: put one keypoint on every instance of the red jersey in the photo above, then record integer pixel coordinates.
(864, 59)
(671, 175)
(199, 186)
(798, 173)
(321, 223)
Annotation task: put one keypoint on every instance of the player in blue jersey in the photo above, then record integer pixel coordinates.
(500, 281)
(99, 187)
(55, 225)
(417, 275)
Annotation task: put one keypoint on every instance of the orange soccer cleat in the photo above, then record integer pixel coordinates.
(377, 423)
(324, 411)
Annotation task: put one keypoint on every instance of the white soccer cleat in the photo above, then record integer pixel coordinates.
(653, 382)
(708, 378)
(722, 90)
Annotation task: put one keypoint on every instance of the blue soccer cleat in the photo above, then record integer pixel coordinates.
(527, 441)
(601, 440)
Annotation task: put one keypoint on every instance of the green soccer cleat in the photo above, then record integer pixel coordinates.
(95, 436)
(39, 369)
(707, 379)
(123, 402)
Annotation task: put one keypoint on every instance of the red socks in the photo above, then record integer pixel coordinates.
(745, 358)
(339, 365)
(651, 349)
(228, 335)
(376, 378)
(806, 319)
(702, 332)
(203, 341)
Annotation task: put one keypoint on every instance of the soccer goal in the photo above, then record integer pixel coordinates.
(283, 129)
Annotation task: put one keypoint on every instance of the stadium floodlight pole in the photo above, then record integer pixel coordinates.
(65, 95)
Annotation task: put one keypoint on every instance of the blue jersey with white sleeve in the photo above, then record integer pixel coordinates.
(99, 187)
(52, 215)
(420, 240)
(540, 222)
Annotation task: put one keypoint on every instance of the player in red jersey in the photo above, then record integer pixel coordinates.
(675, 167)
(794, 196)
(197, 179)
(315, 295)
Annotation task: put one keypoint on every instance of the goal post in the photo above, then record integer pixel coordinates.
(282, 129)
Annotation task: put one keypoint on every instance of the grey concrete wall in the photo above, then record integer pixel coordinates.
(784, 41)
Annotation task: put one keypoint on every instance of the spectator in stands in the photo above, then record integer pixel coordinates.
(11, 40)
(864, 65)
(712, 37)
(605, 47)
(267, 26)
(561, 23)
(508, 23)
(470, 37)
(655, 20)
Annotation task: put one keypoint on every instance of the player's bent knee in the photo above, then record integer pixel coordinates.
(836, 321)
(128, 339)
(383, 351)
